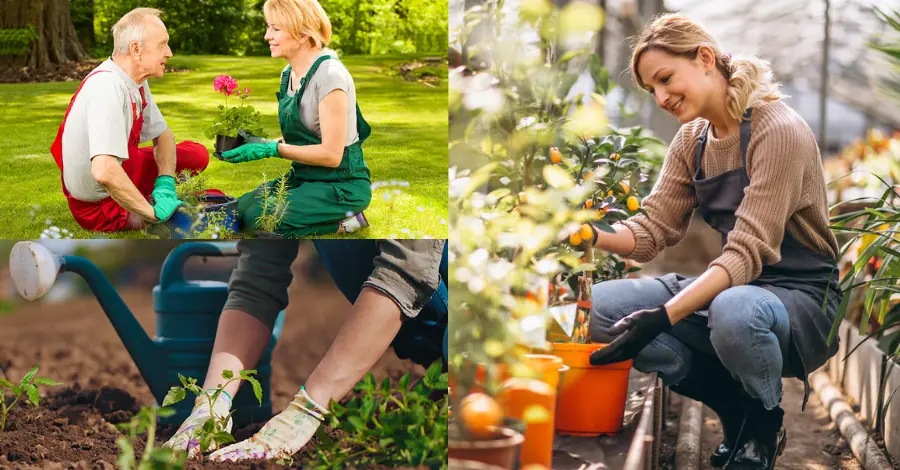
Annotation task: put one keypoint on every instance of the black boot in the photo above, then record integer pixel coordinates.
(710, 383)
(761, 440)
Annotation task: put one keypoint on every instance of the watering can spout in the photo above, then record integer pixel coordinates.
(34, 268)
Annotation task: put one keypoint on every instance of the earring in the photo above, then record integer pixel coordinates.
(708, 73)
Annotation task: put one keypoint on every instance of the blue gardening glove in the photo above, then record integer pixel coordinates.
(250, 152)
(165, 200)
(632, 334)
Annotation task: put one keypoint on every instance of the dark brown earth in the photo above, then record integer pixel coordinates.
(74, 343)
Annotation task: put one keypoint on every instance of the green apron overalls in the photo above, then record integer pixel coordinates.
(318, 197)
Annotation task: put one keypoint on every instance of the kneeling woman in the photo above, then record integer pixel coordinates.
(322, 128)
(750, 166)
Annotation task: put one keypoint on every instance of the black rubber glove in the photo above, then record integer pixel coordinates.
(632, 334)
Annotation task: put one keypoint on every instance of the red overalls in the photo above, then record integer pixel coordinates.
(106, 215)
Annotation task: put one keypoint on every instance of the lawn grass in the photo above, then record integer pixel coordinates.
(408, 143)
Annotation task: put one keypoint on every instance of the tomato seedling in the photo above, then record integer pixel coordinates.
(214, 429)
(28, 385)
(155, 458)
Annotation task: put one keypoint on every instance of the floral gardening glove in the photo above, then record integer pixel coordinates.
(184, 438)
(283, 436)
(632, 334)
(251, 152)
(165, 200)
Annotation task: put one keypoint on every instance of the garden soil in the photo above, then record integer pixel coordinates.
(74, 343)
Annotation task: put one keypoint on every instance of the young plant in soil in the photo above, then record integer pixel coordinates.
(274, 205)
(213, 430)
(204, 225)
(28, 385)
(387, 425)
(154, 457)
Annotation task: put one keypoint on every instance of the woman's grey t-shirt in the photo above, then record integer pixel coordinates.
(331, 75)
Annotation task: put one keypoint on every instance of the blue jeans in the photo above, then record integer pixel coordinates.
(350, 262)
(747, 327)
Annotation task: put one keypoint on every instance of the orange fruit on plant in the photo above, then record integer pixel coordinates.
(614, 156)
(633, 204)
(522, 197)
(586, 232)
(480, 414)
(625, 187)
(589, 203)
(580, 317)
(555, 155)
(575, 239)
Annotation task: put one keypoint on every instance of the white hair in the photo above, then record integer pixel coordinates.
(131, 28)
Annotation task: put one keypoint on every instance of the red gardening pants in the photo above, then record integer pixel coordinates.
(106, 215)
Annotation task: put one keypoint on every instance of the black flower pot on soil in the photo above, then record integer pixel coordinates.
(225, 143)
(268, 235)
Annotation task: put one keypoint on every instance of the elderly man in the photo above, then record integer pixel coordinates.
(108, 181)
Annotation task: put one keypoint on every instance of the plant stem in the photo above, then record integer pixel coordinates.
(4, 411)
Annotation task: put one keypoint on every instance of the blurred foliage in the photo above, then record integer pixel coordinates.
(238, 26)
(537, 163)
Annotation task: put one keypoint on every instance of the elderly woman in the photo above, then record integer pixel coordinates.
(322, 130)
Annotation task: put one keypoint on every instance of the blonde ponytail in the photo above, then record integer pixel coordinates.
(750, 83)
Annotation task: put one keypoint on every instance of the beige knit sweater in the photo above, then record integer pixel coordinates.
(786, 192)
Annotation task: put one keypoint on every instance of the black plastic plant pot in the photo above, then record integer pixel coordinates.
(268, 235)
(225, 143)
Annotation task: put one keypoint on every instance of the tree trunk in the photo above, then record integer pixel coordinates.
(56, 41)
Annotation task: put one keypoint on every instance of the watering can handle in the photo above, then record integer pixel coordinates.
(173, 268)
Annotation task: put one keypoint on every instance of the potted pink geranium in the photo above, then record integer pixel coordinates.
(230, 121)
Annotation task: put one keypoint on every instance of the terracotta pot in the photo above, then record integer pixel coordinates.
(591, 398)
(500, 451)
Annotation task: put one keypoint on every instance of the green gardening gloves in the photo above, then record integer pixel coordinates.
(251, 152)
(165, 200)
(283, 436)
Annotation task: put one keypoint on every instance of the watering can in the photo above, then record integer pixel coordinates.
(187, 315)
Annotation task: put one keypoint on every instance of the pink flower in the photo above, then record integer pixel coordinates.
(225, 83)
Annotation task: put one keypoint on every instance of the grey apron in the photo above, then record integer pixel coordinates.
(801, 279)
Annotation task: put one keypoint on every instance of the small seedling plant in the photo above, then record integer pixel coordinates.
(387, 425)
(214, 429)
(154, 458)
(204, 224)
(27, 386)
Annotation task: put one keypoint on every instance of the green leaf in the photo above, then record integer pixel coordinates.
(5, 383)
(386, 384)
(17, 389)
(227, 374)
(404, 381)
(125, 460)
(165, 412)
(257, 388)
(205, 440)
(45, 381)
(175, 395)
(356, 422)
(386, 441)
(29, 375)
(33, 396)
(223, 438)
(209, 425)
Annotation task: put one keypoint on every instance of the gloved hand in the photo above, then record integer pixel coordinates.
(283, 436)
(184, 438)
(632, 333)
(250, 152)
(165, 200)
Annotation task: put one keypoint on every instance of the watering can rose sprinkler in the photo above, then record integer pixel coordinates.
(187, 315)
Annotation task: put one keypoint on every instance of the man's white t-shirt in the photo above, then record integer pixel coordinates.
(100, 122)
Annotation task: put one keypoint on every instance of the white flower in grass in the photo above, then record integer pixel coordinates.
(48, 222)
(386, 197)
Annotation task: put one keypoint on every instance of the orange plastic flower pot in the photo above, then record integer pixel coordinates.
(591, 398)
(546, 367)
(533, 402)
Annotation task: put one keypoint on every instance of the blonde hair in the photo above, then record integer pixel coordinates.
(750, 80)
(131, 28)
(300, 17)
